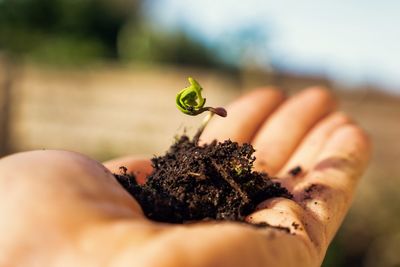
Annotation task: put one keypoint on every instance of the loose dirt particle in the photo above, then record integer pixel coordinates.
(295, 225)
(295, 171)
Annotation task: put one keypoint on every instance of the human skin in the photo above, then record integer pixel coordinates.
(62, 208)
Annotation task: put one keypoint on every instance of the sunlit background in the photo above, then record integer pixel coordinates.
(100, 77)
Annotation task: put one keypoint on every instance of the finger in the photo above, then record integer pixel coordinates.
(306, 154)
(328, 190)
(283, 131)
(244, 116)
(138, 166)
(290, 217)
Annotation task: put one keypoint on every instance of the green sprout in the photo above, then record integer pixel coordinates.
(191, 102)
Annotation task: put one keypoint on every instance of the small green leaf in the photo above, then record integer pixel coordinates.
(190, 100)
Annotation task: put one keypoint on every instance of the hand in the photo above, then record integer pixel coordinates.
(61, 208)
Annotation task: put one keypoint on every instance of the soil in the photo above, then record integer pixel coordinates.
(295, 171)
(210, 182)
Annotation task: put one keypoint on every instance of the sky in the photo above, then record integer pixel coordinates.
(350, 41)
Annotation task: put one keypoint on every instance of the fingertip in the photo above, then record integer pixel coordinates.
(320, 93)
(340, 117)
(360, 139)
(270, 93)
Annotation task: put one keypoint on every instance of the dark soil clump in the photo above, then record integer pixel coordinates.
(192, 183)
(295, 171)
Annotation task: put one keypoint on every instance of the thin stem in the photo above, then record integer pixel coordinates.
(203, 125)
(219, 111)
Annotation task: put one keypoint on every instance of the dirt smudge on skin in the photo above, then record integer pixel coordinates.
(267, 225)
(296, 171)
(297, 226)
(332, 163)
(314, 189)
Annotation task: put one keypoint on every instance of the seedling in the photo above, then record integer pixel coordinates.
(193, 182)
(190, 101)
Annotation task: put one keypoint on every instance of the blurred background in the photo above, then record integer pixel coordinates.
(100, 77)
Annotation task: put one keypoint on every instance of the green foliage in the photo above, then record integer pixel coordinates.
(84, 31)
(66, 50)
(144, 43)
(62, 30)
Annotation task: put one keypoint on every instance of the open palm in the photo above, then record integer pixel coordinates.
(61, 208)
